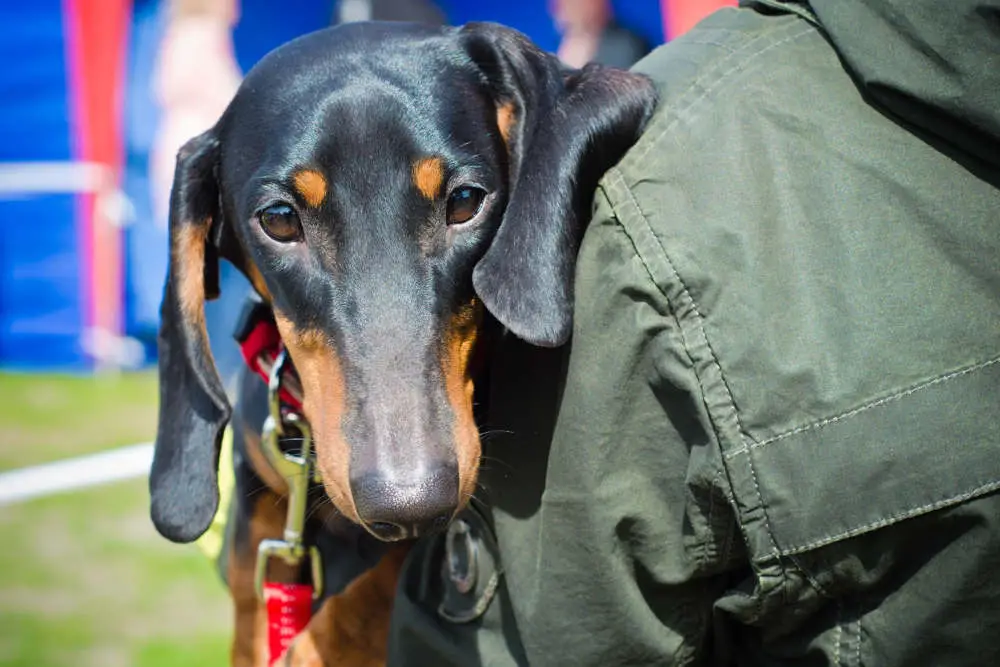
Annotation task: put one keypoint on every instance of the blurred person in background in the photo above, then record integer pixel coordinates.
(414, 11)
(196, 76)
(590, 34)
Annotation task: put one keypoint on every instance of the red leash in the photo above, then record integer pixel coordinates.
(288, 606)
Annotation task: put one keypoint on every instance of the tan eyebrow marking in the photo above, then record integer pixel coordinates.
(311, 185)
(428, 176)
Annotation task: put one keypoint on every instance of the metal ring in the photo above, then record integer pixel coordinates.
(274, 390)
(464, 581)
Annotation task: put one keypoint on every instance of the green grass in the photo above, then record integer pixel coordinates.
(49, 417)
(84, 579)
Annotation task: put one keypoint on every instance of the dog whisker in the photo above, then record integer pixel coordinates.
(491, 460)
(486, 436)
(472, 496)
(494, 431)
(317, 505)
(258, 487)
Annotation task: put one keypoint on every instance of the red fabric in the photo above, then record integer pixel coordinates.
(289, 608)
(264, 341)
(263, 338)
(679, 16)
(96, 41)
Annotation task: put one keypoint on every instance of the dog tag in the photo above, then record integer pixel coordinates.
(461, 556)
(469, 568)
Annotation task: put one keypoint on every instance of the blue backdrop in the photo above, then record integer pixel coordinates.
(42, 303)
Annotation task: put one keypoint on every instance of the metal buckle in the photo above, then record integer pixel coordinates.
(296, 471)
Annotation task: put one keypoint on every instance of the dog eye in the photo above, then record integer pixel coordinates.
(281, 223)
(464, 203)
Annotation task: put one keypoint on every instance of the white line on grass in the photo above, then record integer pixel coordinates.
(76, 473)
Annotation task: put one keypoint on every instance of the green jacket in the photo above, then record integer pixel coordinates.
(775, 436)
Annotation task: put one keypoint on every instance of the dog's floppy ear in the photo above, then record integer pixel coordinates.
(193, 407)
(563, 129)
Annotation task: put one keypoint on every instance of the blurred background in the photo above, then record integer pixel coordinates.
(98, 96)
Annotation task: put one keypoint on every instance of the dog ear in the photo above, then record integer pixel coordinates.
(193, 406)
(563, 129)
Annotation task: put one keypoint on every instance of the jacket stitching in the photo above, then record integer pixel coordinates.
(809, 577)
(706, 556)
(651, 273)
(721, 78)
(838, 635)
(946, 377)
(892, 518)
(857, 653)
(699, 329)
(707, 42)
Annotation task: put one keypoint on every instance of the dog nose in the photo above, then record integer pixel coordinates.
(393, 509)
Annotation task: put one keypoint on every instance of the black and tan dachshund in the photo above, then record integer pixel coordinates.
(389, 190)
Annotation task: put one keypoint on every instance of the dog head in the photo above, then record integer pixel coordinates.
(384, 187)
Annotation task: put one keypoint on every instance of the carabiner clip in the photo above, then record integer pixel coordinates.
(296, 471)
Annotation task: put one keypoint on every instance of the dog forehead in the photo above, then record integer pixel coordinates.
(401, 83)
(358, 139)
(350, 53)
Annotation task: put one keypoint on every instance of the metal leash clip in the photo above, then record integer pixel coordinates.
(296, 470)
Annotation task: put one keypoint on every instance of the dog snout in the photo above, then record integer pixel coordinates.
(395, 508)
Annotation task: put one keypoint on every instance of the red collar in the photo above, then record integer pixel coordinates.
(260, 343)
